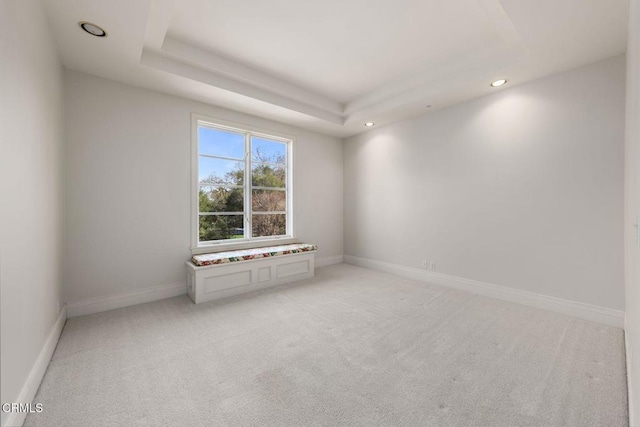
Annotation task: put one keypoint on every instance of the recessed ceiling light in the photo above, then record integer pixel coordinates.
(369, 124)
(92, 29)
(498, 83)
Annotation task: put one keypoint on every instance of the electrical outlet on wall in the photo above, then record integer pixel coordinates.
(432, 265)
(425, 263)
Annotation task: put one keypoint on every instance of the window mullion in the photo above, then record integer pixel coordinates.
(247, 186)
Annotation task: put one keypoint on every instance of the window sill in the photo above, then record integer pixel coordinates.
(232, 246)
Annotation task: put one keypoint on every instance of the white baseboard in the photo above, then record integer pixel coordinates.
(28, 392)
(630, 391)
(125, 299)
(329, 260)
(581, 310)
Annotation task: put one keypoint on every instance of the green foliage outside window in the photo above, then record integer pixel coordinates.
(219, 194)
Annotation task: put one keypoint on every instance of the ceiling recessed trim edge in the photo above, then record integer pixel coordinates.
(179, 68)
(237, 71)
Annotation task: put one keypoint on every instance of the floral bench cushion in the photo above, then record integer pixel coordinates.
(248, 254)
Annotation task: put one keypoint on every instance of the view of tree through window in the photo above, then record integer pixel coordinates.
(242, 185)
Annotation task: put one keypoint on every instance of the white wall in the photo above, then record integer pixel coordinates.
(522, 188)
(632, 213)
(31, 189)
(128, 186)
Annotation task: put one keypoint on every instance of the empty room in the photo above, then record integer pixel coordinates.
(320, 213)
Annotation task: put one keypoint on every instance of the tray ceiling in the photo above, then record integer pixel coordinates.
(330, 66)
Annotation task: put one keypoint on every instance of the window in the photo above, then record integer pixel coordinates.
(242, 180)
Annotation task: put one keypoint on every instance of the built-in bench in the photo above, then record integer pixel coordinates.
(222, 274)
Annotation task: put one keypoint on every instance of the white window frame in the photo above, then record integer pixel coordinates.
(245, 242)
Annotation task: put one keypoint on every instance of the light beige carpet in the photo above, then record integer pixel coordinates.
(349, 347)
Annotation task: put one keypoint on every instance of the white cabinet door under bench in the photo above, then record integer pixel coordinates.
(233, 275)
